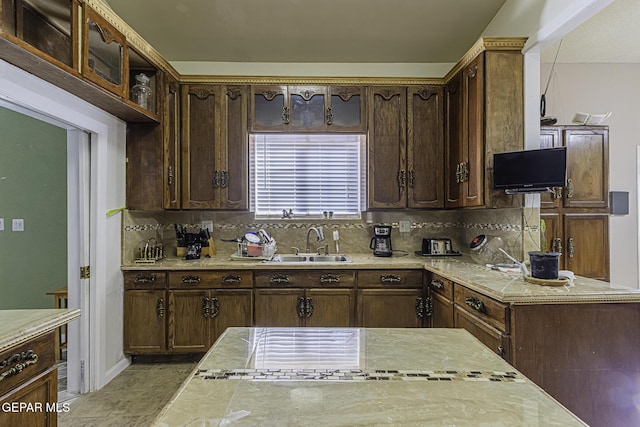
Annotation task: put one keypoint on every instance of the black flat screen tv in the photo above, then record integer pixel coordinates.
(530, 171)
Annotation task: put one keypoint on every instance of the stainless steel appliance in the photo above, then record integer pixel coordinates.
(436, 246)
(381, 242)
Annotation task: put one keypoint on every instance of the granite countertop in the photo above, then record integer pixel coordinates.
(352, 376)
(504, 287)
(20, 326)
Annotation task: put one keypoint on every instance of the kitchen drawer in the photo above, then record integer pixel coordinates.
(441, 286)
(210, 279)
(25, 361)
(485, 308)
(145, 280)
(390, 279)
(485, 333)
(306, 279)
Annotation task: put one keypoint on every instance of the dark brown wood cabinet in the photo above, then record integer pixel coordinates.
(307, 108)
(30, 376)
(305, 298)
(478, 125)
(214, 147)
(441, 305)
(576, 220)
(391, 299)
(145, 312)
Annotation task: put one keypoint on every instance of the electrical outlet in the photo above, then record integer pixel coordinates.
(17, 224)
(405, 226)
(207, 224)
(1, 224)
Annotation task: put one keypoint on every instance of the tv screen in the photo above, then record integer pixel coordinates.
(530, 170)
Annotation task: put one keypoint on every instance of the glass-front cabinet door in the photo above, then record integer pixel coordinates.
(104, 53)
(346, 112)
(47, 26)
(270, 108)
(308, 108)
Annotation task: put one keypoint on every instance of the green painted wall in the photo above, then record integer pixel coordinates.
(33, 186)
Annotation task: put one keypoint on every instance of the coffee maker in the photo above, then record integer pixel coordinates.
(381, 242)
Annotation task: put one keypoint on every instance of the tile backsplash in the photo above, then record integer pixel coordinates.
(512, 225)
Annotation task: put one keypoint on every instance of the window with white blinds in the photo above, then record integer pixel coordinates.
(307, 173)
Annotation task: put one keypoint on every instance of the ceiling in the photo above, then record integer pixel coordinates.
(355, 31)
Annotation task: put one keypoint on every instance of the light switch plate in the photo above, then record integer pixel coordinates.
(17, 224)
(405, 226)
(1, 224)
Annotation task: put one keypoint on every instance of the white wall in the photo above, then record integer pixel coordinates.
(598, 88)
(107, 192)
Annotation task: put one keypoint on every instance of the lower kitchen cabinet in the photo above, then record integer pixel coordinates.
(145, 321)
(305, 307)
(198, 317)
(440, 302)
(493, 338)
(391, 299)
(40, 390)
(316, 298)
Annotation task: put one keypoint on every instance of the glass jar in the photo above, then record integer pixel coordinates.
(141, 92)
(486, 250)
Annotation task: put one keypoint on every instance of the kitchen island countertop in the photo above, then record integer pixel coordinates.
(352, 376)
(20, 326)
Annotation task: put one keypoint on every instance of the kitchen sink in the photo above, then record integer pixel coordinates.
(309, 259)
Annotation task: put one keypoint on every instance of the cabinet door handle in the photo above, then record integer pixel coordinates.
(308, 307)
(420, 307)
(390, 278)
(232, 278)
(329, 278)
(569, 188)
(476, 304)
(412, 178)
(205, 307)
(160, 307)
(556, 246)
(191, 280)
(329, 116)
(571, 247)
(465, 172)
(279, 278)
(215, 307)
(224, 179)
(437, 284)
(286, 115)
(215, 180)
(170, 175)
(145, 278)
(500, 350)
(300, 306)
(557, 192)
(458, 173)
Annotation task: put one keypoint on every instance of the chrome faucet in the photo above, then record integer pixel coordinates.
(319, 236)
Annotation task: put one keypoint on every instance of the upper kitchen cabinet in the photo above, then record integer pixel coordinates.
(143, 83)
(587, 166)
(44, 27)
(104, 53)
(425, 147)
(153, 154)
(307, 109)
(484, 115)
(387, 151)
(214, 147)
(406, 147)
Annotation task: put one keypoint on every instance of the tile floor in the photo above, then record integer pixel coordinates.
(133, 398)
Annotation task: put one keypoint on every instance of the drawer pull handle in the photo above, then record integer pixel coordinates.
(437, 284)
(329, 278)
(191, 280)
(145, 278)
(279, 278)
(390, 278)
(160, 307)
(476, 304)
(19, 361)
(231, 279)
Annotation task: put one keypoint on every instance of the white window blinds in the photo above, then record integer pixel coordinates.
(307, 173)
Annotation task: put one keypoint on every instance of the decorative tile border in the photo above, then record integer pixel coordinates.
(356, 375)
